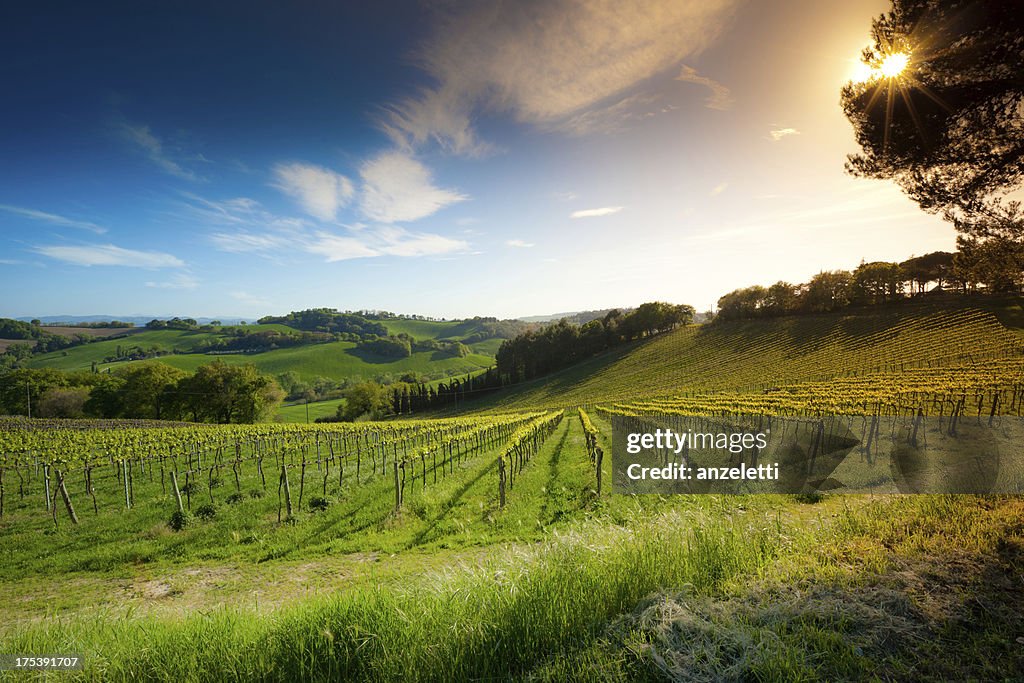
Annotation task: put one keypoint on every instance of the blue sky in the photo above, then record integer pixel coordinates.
(446, 159)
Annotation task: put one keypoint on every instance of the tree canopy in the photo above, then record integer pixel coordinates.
(948, 127)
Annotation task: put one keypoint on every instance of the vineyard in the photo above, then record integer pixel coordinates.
(447, 513)
(64, 466)
(757, 357)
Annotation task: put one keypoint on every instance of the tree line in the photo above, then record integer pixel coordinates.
(215, 392)
(871, 283)
(528, 355)
(553, 347)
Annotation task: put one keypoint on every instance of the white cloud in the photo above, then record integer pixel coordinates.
(779, 133)
(52, 218)
(319, 191)
(142, 137)
(396, 188)
(244, 242)
(545, 62)
(248, 228)
(719, 189)
(251, 300)
(519, 244)
(110, 255)
(10, 262)
(593, 213)
(613, 117)
(720, 97)
(338, 248)
(383, 241)
(180, 281)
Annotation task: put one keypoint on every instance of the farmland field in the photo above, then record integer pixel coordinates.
(303, 552)
(333, 360)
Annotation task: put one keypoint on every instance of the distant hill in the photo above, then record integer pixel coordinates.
(139, 320)
(574, 317)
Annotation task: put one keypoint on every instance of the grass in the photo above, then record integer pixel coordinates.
(298, 413)
(591, 603)
(333, 360)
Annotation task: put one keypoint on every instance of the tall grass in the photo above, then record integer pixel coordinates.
(490, 621)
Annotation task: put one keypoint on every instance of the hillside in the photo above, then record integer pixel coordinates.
(333, 360)
(759, 355)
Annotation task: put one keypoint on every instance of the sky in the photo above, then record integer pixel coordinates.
(447, 159)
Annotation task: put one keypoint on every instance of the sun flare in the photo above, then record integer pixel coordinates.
(891, 66)
(894, 64)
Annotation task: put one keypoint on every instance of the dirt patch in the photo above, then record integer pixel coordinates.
(7, 343)
(156, 590)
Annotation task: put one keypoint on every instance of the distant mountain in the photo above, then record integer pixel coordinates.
(138, 320)
(576, 317)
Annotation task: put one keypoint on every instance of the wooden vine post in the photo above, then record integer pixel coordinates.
(177, 492)
(287, 490)
(501, 482)
(67, 499)
(398, 489)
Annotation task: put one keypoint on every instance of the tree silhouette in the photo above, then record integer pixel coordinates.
(948, 127)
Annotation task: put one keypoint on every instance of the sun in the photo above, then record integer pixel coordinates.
(894, 64)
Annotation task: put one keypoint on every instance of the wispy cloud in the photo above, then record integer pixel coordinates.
(384, 241)
(241, 211)
(398, 188)
(110, 255)
(52, 218)
(142, 137)
(179, 281)
(244, 242)
(613, 117)
(777, 134)
(719, 189)
(247, 228)
(320, 191)
(10, 262)
(544, 62)
(519, 244)
(248, 299)
(720, 97)
(594, 213)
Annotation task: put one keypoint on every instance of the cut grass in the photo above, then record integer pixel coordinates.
(298, 412)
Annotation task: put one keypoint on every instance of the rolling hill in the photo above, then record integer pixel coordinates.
(760, 355)
(333, 360)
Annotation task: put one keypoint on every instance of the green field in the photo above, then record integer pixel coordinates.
(435, 580)
(334, 360)
(300, 412)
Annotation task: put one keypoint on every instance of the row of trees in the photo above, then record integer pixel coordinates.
(556, 346)
(328, 320)
(531, 354)
(374, 401)
(216, 392)
(991, 266)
